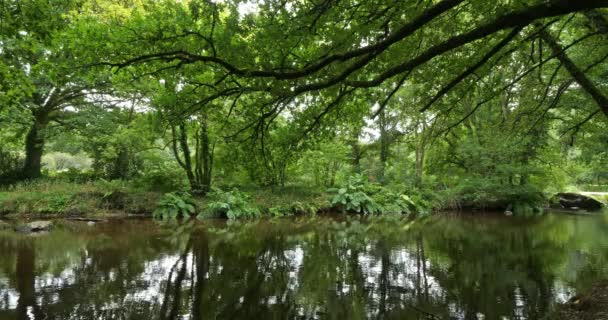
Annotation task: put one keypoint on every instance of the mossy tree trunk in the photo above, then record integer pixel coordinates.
(198, 167)
(34, 146)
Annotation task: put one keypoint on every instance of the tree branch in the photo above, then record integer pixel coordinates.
(576, 73)
(472, 68)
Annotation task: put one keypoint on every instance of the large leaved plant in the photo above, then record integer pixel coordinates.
(174, 205)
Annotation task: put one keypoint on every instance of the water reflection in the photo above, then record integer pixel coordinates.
(437, 268)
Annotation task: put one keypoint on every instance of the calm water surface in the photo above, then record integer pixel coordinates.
(446, 267)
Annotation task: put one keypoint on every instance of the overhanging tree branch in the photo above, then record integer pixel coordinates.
(519, 18)
(576, 73)
(472, 68)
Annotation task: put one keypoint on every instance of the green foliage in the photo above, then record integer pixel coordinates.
(232, 204)
(244, 106)
(360, 196)
(10, 162)
(174, 205)
(395, 202)
(526, 200)
(297, 208)
(490, 194)
(352, 197)
(325, 165)
(61, 161)
(162, 178)
(74, 175)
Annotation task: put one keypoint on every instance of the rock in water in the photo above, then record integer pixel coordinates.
(577, 201)
(34, 226)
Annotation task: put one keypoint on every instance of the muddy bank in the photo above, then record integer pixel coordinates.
(592, 304)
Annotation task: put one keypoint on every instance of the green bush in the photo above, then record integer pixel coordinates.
(395, 202)
(490, 194)
(230, 204)
(10, 164)
(75, 175)
(161, 179)
(352, 197)
(297, 208)
(174, 205)
(526, 200)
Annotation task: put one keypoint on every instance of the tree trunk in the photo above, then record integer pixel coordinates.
(180, 143)
(206, 155)
(420, 155)
(34, 146)
(121, 164)
(199, 173)
(357, 154)
(334, 171)
(384, 145)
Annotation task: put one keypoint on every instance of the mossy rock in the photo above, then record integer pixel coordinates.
(34, 226)
(570, 200)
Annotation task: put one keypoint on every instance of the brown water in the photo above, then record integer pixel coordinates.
(459, 267)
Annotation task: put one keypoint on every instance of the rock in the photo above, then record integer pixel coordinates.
(508, 213)
(34, 226)
(576, 201)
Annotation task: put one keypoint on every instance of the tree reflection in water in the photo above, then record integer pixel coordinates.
(439, 267)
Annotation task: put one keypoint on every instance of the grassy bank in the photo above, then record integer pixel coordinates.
(60, 198)
(50, 197)
(53, 197)
(57, 197)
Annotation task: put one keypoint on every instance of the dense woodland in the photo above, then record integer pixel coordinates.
(378, 106)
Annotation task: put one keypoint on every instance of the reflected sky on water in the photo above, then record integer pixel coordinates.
(440, 267)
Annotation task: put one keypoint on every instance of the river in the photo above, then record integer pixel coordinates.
(438, 267)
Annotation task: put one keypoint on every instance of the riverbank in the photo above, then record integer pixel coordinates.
(68, 199)
(591, 304)
(57, 198)
(102, 199)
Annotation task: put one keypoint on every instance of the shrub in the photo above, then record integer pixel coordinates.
(490, 194)
(162, 179)
(173, 205)
(279, 211)
(394, 202)
(304, 208)
(297, 208)
(230, 204)
(75, 175)
(10, 166)
(526, 200)
(352, 197)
